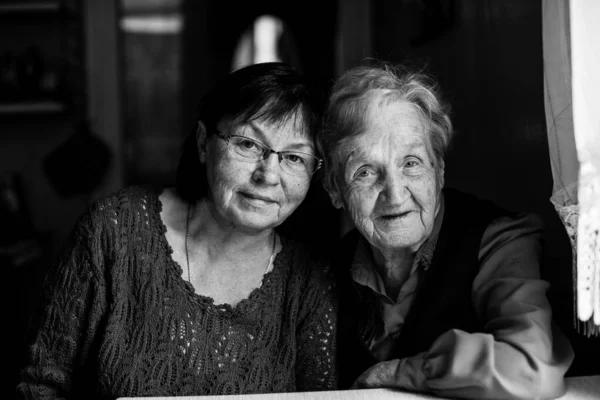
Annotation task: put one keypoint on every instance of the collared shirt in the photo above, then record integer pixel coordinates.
(393, 311)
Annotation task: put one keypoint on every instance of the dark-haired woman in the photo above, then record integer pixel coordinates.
(191, 290)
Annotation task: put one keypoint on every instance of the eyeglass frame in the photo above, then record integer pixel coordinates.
(267, 151)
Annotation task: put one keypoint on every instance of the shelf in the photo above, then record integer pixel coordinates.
(21, 7)
(43, 39)
(32, 107)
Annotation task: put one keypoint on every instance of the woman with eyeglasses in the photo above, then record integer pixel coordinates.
(190, 290)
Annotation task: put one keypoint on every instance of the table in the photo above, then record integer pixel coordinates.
(579, 388)
(583, 388)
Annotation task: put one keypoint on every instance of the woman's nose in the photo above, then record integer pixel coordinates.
(267, 170)
(395, 189)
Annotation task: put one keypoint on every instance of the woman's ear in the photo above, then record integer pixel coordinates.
(335, 196)
(201, 141)
(441, 174)
(336, 200)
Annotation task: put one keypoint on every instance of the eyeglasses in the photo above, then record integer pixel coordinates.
(294, 162)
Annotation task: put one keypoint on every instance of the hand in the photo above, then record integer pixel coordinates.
(379, 375)
(406, 373)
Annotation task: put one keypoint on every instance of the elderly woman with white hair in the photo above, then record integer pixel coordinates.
(440, 291)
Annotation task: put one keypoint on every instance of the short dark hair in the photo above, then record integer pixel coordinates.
(272, 91)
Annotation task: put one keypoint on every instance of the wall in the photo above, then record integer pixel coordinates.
(104, 85)
(26, 140)
(31, 134)
(487, 56)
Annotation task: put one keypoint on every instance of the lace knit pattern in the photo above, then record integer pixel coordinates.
(119, 320)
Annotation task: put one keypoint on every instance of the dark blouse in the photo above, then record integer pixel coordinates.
(471, 321)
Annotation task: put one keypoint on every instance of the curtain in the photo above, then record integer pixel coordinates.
(573, 124)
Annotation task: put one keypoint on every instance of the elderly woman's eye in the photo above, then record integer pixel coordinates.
(364, 174)
(412, 162)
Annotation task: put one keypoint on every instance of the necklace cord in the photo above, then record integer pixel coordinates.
(187, 232)
(187, 257)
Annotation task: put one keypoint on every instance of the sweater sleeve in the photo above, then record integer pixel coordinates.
(315, 365)
(519, 354)
(72, 308)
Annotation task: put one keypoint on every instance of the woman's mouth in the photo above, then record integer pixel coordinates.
(257, 199)
(394, 217)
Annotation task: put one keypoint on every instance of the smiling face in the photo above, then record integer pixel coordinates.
(390, 184)
(255, 195)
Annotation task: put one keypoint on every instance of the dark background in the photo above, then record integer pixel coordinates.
(116, 105)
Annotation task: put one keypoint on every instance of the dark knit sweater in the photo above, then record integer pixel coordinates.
(119, 320)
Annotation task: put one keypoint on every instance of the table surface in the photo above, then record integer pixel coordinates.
(579, 388)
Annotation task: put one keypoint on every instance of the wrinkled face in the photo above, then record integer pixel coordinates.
(390, 186)
(255, 195)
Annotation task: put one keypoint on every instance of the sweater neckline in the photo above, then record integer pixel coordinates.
(258, 295)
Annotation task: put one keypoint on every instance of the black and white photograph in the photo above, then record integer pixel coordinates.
(300, 200)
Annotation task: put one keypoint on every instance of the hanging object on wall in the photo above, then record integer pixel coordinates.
(78, 165)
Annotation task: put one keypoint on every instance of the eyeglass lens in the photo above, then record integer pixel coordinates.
(291, 161)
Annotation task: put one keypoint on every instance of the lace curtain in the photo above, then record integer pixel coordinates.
(573, 123)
